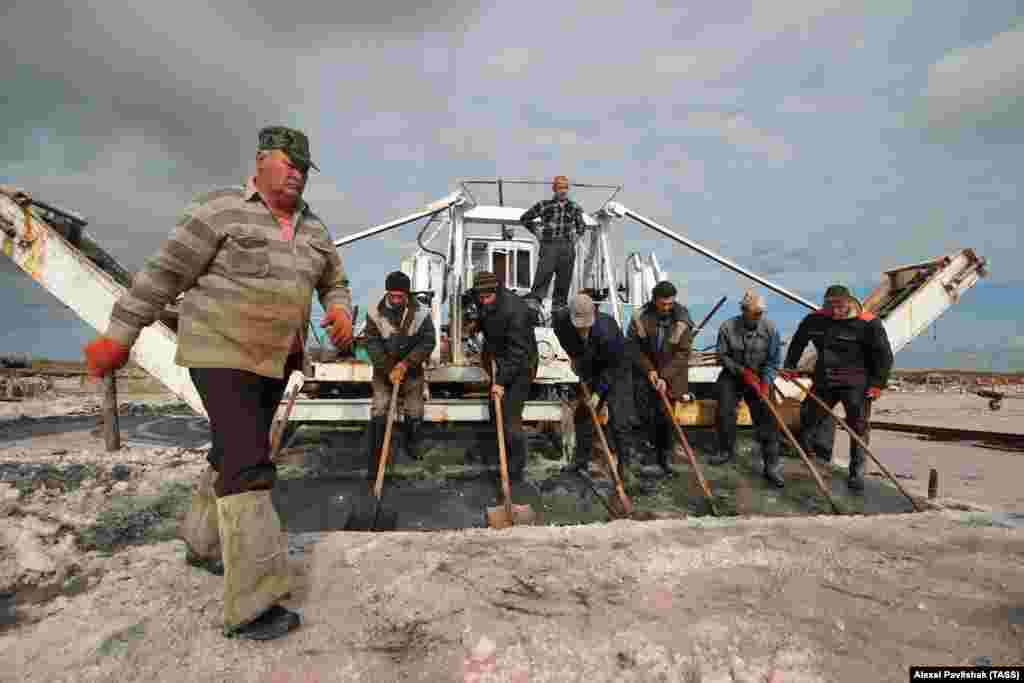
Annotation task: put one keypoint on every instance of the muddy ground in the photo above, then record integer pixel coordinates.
(102, 591)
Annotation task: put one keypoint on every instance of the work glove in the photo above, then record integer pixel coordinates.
(872, 393)
(659, 384)
(751, 379)
(602, 388)
(763, 389)
(397, 373)
(340, 324)
(104, 355)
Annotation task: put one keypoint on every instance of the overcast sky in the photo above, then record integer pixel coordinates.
(812, 141)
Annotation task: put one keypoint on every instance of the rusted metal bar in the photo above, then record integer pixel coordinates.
(953, 434)
(111, 425)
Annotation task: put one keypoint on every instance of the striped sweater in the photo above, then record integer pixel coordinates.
(247, 291)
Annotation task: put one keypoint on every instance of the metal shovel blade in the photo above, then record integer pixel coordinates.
(372, 516)
(499, 517)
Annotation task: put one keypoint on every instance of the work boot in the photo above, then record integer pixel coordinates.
(722, 457)
(856, 480)
(772, 465)
(665, 463)
(256, 576)
(412, 429)
(374, 444)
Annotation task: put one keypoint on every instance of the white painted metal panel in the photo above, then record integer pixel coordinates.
(509, 215)
(82, 286)
(466, 410)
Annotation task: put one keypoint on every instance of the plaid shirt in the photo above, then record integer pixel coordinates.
(558, 220)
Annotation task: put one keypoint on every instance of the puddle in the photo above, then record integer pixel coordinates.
(451, 489)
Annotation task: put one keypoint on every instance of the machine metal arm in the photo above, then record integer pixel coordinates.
(431, 210)
(619, 211)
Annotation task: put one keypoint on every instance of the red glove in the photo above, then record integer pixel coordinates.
(104, 355)
(340, 324)
(764, 390)
(789, 374)
(750, 377)
(873, 393)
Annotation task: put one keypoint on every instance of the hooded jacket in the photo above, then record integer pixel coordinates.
(856, 348)
(395, 335)
(672, 360)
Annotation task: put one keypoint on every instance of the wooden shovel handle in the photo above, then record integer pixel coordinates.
(689, 452)
(627, 504)
(860, 442)
(803, 455)
(382, 463)
(506, 488)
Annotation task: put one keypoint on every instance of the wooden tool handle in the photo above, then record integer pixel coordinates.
(689, 452)
(627, 504)
(378, 485)
(506, 487)
(860, 442)
(803, 455)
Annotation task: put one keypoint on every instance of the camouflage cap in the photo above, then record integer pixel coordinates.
(292, 142)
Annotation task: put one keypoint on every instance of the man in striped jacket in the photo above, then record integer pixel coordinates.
(247, 260)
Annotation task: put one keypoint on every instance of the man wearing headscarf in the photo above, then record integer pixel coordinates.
(749, 349)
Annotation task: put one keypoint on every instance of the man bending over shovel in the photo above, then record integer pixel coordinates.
(400, 338)
(597, 350)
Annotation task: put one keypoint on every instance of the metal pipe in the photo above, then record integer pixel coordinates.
(376, 230)
(713, 256)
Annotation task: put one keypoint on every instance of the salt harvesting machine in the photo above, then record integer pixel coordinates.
(52, 246)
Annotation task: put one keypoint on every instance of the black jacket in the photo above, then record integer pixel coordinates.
(858, 345)
(602, 353)
(509, 338)
(393, 336)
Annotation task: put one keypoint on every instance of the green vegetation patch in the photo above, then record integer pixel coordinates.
(136, 520)
(122, 642)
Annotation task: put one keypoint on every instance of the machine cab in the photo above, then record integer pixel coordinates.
(513, 261)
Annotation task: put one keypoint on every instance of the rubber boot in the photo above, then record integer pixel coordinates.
(412, 429)
(856, 480)
(665, 458)
(722, 457)
(374, 444)
(256, 576)
(772, 464)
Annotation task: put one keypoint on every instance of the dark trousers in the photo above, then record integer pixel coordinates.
(620, 416)
(512, 404)
(817, 436)
(241, 406)
(729, 389)
(557, 258)
(654, 418)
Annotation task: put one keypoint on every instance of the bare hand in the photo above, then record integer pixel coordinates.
(497, 391)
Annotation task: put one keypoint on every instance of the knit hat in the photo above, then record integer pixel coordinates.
(837, 291)
(753, 302)
(582, 311)
(663, 290)
(397, 282)
(485, 281)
